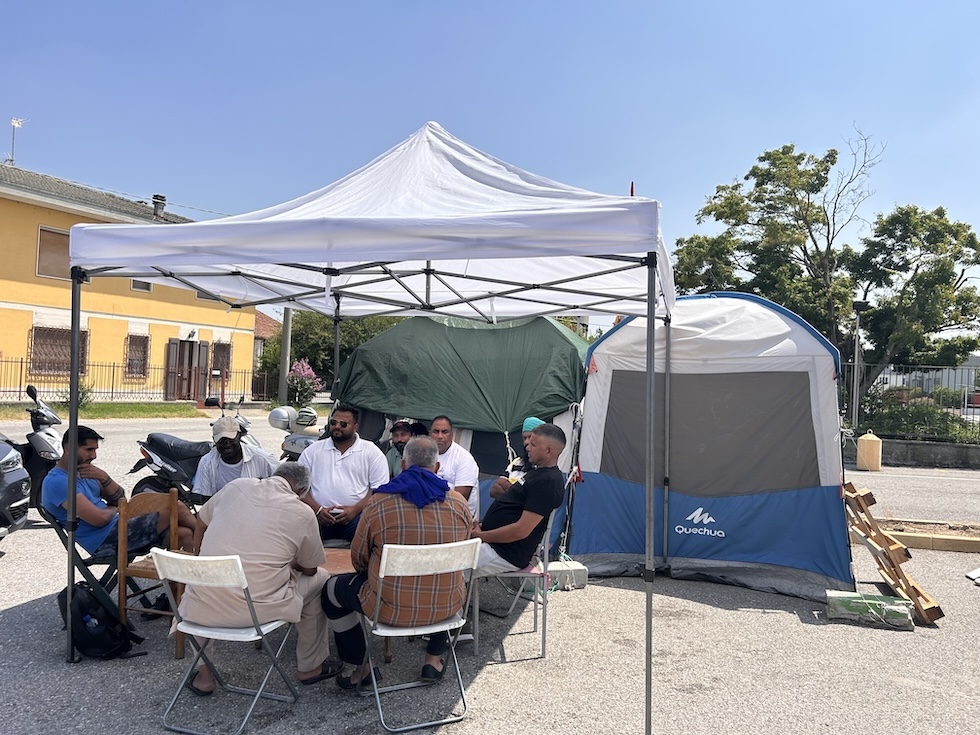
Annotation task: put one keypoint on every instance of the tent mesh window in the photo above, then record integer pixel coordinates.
(137, 355)
(51, 351)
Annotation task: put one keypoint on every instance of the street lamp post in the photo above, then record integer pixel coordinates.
(859, 307)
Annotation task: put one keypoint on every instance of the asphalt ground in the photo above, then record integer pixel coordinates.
(726, 659)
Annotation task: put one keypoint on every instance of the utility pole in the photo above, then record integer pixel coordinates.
(859, 307)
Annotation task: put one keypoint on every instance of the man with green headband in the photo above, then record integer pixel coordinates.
(518, 466)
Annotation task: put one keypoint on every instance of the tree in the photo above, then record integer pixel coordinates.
(312, 339)
(782, 237)
(915, 267)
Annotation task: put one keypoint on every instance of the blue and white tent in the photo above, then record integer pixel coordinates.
(749, 473)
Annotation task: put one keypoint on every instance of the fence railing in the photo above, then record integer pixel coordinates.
(936, 402)
(932, 402)
(111, 381)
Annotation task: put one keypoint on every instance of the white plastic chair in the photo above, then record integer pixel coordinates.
(400, 560)
(219, 571)
(536, 574)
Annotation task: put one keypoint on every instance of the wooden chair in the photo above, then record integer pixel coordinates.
(142, 567)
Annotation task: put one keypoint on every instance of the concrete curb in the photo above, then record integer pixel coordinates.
(936, 542)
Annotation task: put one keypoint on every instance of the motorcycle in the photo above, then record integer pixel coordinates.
(15, 491)
(300, 427)
(42, 450)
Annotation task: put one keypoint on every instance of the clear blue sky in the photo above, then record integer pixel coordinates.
(232, 106)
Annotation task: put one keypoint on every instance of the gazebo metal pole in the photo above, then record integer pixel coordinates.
(336, 345)
(77, 278)
(286, 345)
(649, 565)
(666, 504)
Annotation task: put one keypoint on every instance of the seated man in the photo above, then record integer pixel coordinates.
(229, 459)
(344, 469)
(456, 465)
(517, 519)
(416, 507)
(401, 432)
(518, 466)
(277, 537)
(96, 498)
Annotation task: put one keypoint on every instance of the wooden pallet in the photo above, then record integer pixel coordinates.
(889, 554)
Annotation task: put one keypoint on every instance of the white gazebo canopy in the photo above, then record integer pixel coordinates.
(432, 225)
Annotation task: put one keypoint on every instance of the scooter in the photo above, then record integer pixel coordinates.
(174, 462)
(42, 450)
(300, 427)
(243, 421)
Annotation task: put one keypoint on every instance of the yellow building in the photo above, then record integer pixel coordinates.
(139, 341)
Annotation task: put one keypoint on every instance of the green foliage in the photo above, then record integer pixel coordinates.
(86, 395)
(947, 397)
(915, 263)
(907, 413)
(782, 236)
(312, 340)
(782, 239)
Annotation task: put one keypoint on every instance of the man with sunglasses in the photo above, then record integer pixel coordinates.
(344, 470)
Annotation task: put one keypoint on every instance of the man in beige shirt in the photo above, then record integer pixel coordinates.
(278, 538)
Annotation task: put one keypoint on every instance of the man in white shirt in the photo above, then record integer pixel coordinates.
(229, 459)
(344, 471)
(456, 465)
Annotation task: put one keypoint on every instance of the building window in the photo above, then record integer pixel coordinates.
(141, 285)
(137, 355)
(52, 254)
(206, 296)
(221, 357)
(51, 351)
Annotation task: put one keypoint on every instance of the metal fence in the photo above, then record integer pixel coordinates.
(113, 381)
(932, 402)
(937, 402)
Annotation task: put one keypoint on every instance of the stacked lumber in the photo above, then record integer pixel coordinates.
(889, 554)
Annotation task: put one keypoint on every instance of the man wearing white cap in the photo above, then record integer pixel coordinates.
(229, 459)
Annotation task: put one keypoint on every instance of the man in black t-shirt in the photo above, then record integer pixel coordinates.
(516, 522)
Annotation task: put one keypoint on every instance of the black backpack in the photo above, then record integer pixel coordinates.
(96, 629)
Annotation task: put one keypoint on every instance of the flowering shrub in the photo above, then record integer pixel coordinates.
(303, 384)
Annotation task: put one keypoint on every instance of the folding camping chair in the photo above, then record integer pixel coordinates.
(227, 572)
(536, 574)
(102, 586)
(400, 560)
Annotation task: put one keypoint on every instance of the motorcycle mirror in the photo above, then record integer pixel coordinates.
(32, 392)
(212, 402)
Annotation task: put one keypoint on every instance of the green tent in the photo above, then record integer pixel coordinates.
(485, 377)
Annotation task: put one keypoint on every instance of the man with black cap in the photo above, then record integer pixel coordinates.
(229, 459)
(401, 432)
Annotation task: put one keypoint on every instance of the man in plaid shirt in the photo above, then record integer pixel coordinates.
(417, 507)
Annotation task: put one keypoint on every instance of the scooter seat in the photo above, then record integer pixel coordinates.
(177, 448)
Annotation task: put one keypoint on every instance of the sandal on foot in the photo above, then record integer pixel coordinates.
(198, 692)
(344, 682)
(328, 670)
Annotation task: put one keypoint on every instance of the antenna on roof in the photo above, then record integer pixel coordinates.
(15, 122)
